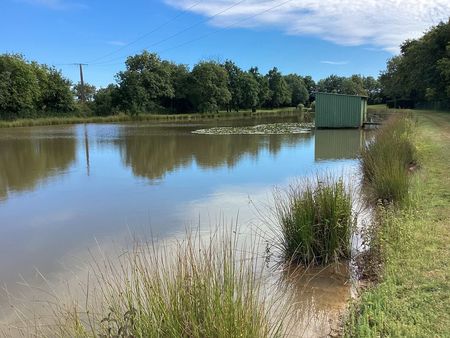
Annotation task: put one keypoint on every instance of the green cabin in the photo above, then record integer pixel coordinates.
(340, 111)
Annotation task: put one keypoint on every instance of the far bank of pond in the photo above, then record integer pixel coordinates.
(180, 118)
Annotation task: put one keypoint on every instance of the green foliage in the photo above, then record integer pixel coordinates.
(29, 89)
(209, 87)
(279, 90)
(421, 72)
(316, 222)
(146, 83)
(299, 93)
(89, 91)
(353, 85)
(386, 172)
(106, 101)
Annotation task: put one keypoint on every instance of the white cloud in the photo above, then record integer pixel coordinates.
(336, 63)
(380, 23)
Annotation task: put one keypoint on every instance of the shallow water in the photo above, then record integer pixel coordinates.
(65, 189)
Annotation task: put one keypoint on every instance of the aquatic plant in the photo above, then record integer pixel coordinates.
(199, 287)
(316, 221)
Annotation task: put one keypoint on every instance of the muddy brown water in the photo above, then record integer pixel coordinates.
(65, 189)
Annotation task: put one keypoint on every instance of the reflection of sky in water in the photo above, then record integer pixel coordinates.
(58, 209)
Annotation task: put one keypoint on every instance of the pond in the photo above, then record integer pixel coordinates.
(65, 189)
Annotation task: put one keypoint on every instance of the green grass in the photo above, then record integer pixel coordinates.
(316, 222)
(385, 160)
(148, 117)
(412, 298)
(210, 287)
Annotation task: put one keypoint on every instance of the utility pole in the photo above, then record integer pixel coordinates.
(83, 96)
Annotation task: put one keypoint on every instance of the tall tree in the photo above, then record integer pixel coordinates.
(208, 87)
(264, 95)
(279, 90)
(146, 83)
(89, 91)
(420, 73)
(299, 93)
(234, 84)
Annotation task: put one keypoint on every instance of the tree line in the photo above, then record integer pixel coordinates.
(420, 75)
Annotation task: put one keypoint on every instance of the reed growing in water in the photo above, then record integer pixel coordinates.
(316, 221)
(195, 288)
(385, 161)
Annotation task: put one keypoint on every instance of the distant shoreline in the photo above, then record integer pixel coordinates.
(244, 114)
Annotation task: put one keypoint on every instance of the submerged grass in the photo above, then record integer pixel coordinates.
(316, 221)
(196, 288)
(412, 298)
(385, 161)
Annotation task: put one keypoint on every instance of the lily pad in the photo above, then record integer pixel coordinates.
(262, 129)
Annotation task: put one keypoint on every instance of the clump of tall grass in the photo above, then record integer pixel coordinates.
(385, 160)
(196, 288)
(316, 221)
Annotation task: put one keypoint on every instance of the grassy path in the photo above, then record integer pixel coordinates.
(413, 298)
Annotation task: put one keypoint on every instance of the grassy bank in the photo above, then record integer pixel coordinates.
(412, 298)
(148, 118)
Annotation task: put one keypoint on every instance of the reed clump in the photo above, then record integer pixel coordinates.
(197, 288)
(316, 221)
(386, 161)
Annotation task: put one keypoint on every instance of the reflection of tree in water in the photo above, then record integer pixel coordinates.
(25, 162)
(152, 156)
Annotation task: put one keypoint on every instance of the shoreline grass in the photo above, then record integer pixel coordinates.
(412, 297)
(316, 222)
(197, 287)
(385, 161)
(48, 121)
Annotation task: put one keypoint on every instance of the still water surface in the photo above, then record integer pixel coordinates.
(64, 188)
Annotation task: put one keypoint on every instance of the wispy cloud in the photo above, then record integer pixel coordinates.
(116, 43)
(336, 63)
(378, 23)
(56, 4)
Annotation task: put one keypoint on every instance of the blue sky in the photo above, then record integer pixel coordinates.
(309, 37)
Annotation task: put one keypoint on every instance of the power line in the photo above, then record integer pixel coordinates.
(182, 31)
(227, 27)
(148, 33)
(214, 32)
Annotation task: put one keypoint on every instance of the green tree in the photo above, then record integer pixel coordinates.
(420, 73)
(279, 90)
(250, 91)
(19, 87)
(107, 100)
(55, 91)
(299, 93)
(310, 85)
(146, 83)
(89, 91)
(331, 84)
(208, 87)
(264, 95)
(234, 85)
